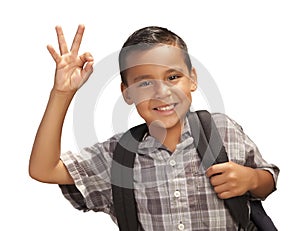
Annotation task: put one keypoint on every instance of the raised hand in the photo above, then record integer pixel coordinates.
(72, 70)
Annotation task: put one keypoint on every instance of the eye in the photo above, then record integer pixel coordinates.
(144, 83)
(173, 77)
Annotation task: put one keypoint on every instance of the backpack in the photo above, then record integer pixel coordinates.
(211, 151)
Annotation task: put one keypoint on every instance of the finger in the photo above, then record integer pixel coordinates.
(86, 57)
(219, 179)
(221, 188)
(216, 169)
(225, 195)
(53, 53)
(87, 62)
(87, 70)
(77, 39)
(61, 40)
(225, 191)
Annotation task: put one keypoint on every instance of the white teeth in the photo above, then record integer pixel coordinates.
(166, 108)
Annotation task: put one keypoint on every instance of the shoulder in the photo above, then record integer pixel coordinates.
(223, 121)
(108, 146)
(233, 137)
(230, 131)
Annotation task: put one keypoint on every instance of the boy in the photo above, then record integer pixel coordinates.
(171, 190)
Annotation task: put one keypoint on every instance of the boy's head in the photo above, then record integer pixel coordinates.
(147, 38)
(157, 75)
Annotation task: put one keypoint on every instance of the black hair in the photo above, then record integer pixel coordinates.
(148, 37)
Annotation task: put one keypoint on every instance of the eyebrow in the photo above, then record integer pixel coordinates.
(148, 76)
(175, 70)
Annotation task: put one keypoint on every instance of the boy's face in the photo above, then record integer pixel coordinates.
(159, 84)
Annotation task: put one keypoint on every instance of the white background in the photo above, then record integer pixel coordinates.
(250, 48)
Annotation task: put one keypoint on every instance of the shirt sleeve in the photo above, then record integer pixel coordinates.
(240, 148)
(90, 170)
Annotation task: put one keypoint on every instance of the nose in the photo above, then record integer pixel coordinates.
(162, 89)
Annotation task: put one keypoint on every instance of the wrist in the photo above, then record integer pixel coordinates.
(62, 94)
(254, 180)
(60, 100)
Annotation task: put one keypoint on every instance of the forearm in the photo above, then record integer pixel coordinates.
(45, 153)
(263, 183)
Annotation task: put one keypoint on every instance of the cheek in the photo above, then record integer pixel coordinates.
(183, 92)
(188, 88)
(142, 105)
(143, 108)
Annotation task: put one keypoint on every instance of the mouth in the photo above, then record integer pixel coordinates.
(165, 108)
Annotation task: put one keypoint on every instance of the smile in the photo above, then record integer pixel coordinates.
(165, 107)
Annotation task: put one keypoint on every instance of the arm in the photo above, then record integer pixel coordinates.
(71, 72)
(231, 179)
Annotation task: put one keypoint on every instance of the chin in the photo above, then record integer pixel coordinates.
(166, 123)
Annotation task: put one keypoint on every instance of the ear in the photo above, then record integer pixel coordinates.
(126, 94)
(193, 76)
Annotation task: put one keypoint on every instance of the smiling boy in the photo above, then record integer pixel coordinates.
(171, 190)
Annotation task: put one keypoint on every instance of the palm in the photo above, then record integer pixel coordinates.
(71, 70)
(69, 73)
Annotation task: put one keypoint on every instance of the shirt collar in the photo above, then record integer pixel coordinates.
(150, 144)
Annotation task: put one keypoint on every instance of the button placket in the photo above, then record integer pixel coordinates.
(176, 168)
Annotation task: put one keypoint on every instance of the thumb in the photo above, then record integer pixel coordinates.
(87, 70)
(87, 61)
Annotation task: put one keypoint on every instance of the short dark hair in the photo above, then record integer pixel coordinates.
(148, 37)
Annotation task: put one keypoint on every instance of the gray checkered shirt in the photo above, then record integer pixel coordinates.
(171, 189)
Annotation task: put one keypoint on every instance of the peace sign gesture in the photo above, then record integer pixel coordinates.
(71, 70)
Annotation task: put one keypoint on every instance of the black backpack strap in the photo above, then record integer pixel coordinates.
(122, 178)
(207, 139)
(212, 151)
(260, 217)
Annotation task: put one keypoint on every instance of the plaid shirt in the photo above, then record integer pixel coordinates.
(171, 189)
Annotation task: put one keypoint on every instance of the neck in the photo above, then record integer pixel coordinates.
(169, 137)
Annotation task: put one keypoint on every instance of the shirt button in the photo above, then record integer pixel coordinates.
(177, 193)
(181, 227)
(172, 163)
